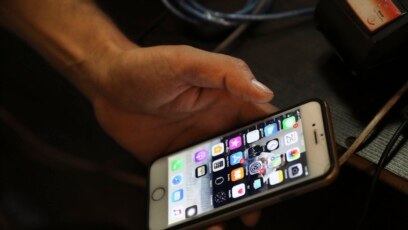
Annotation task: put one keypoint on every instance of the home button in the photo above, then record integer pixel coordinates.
(158, 194)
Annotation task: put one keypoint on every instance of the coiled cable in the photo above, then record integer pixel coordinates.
(194, 12)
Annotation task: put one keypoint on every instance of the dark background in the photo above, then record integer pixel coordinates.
(47, 117)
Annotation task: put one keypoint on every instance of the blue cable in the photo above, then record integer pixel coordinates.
(194, 12)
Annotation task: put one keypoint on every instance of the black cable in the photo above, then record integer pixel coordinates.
(374, 134)
(380, 165)
(395, 150)
(370, 138)
(374, 123)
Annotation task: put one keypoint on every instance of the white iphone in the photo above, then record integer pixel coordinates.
(282, 155)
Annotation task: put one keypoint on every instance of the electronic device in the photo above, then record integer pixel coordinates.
(280, 156)
(366, 34)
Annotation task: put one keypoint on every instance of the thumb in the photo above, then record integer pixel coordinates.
(213, 70)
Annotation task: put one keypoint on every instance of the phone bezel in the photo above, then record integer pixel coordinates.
(265, 198)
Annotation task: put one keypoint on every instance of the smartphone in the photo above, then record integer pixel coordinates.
(277, 157)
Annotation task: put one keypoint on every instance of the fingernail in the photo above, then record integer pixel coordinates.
(261, 86)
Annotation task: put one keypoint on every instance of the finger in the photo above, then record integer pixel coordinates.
(251, 219)
(206, 69)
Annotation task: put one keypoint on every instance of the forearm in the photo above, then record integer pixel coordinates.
(68, 33)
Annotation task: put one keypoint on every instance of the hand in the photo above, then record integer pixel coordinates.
(155, 100)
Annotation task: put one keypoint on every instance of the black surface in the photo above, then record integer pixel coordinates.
(37, 193)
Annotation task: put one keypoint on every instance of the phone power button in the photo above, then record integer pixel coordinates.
(158, 194)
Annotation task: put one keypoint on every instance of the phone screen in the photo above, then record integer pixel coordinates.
(227, 169)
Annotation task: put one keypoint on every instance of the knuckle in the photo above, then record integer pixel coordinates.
(241, 63)
(243, 67)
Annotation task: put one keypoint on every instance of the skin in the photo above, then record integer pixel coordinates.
(150, 100)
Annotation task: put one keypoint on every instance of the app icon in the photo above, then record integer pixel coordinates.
(255, 151)
(295, 170)
(235, 142)
(255, 167)
(191, 211)
(292, 154)
(177, 179)
(237, 174)
(270, 129)
(219, 180)
(217, 149)
(272, 144)
(257, 183)
(252, 136)
(235, 158)
(238, 190)
(177, 164)
(276, 161)
(276, 177)
(220, 197)
(218, 165)
(201, 171)
(290, 138)
(177, 211)
(177, 195)
(288, 123)
(200, 155)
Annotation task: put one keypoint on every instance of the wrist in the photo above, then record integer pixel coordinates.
(91, 73)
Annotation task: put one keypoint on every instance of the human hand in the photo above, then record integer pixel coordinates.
(150, 100)
(155, 100)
